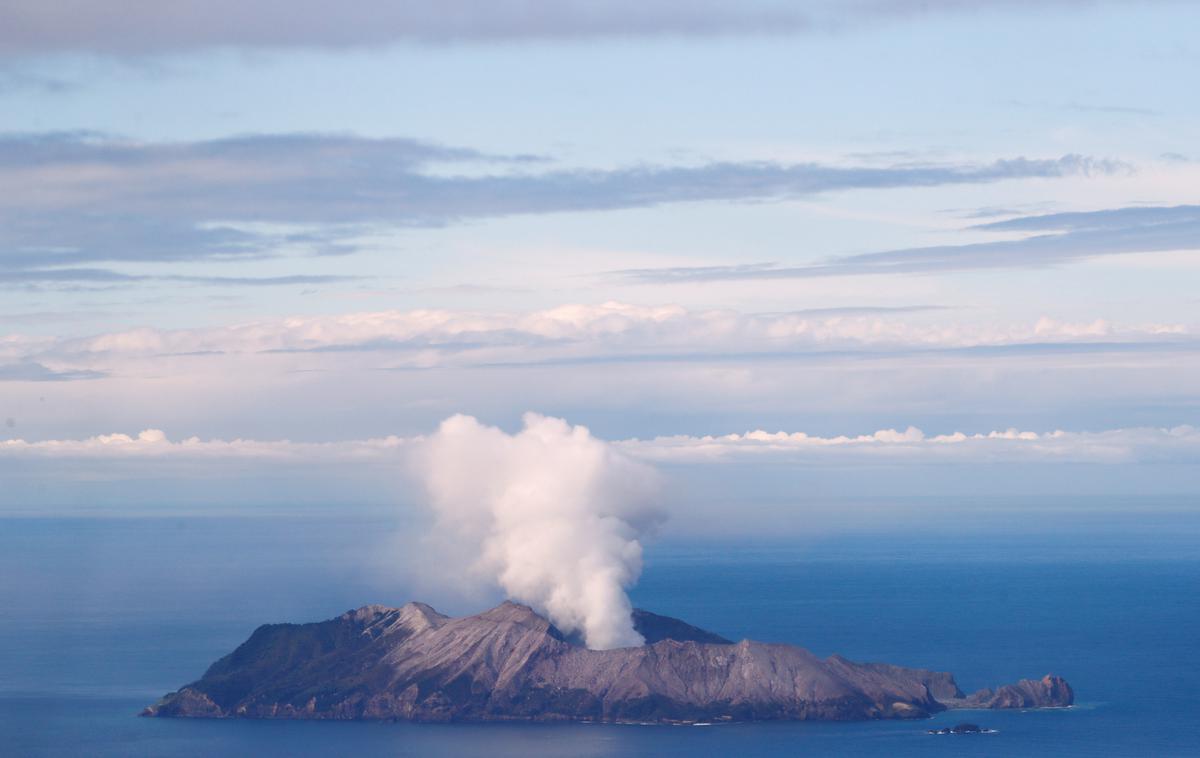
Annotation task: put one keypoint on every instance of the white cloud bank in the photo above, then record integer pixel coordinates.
(572, 332)
(153, 444)
(1131, 445)
(1180, 443)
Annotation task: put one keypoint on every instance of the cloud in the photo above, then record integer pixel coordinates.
(623, 369)
(865, 9)
(1115, 219)
(15, 79)
(154, 444)
(1123, 110)
(102, 199)
(140, 27)
(68, 201)
(31, 371)
(907, 446)
(610, 331)
(1072, 237)
(85, 277)
(262, 281)
(1179, 444)
(869, 310)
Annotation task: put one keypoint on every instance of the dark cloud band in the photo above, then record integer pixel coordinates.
(73, 200)
(141, 27)
(1067, 237)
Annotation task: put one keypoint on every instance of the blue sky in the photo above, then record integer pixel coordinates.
(658, 219)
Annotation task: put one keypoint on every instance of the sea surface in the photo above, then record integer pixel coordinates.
(100, 616)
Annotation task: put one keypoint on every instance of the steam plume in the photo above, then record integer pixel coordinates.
(552, 514)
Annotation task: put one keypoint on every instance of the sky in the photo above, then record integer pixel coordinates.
(784, 252)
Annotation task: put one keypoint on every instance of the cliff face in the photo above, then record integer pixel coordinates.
(510, 663)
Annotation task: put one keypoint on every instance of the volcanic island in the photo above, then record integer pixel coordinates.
(509, 663)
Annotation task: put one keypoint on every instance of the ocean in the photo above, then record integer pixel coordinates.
(102, 615)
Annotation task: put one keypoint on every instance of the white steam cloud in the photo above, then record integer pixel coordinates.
(552, 515)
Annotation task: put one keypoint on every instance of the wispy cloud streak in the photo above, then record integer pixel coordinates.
(1071, 237)
(32, 371)
(69, 201)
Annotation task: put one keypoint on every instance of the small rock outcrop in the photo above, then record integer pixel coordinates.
(413, 663)
(963, 729)
(1048, 692)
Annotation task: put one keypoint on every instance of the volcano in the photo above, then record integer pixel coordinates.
(509, 663)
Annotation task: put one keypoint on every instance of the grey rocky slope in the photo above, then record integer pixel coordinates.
(510, 663)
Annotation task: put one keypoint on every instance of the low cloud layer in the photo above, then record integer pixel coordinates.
(153, 444)
(911, 445)
(70, 201)
(576, 333)
(544, 445)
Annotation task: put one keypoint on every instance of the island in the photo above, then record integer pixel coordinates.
(509, 663)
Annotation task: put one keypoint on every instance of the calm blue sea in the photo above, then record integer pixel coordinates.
(100, 616)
